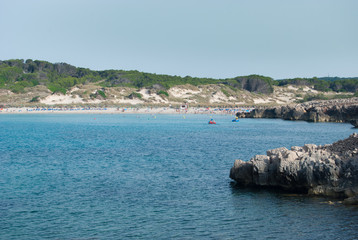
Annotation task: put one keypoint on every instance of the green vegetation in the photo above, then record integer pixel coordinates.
(252, 83)
(161, 92)
(60, 77)
(324, 84)
(225, 92)
(321, 96)
(98, 93)
(35, 99)
(56, 88)
(139, 79)
(101, 93)
(135, 95)
(17, 75)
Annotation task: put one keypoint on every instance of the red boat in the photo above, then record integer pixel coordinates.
(212, 121)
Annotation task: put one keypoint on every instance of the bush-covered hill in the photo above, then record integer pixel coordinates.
(18, 74)
(324, 84)
(15, 75)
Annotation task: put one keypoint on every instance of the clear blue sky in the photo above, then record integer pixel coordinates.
(199, 38)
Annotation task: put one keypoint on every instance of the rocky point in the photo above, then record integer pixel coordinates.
(329, 170)
(338, 110)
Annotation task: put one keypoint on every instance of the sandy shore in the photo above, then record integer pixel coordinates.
(129, 110)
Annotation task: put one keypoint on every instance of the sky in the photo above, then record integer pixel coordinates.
(198, 38)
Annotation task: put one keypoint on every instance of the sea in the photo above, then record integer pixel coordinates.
(115, 176)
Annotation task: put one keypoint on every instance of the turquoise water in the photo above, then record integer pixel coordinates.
(154, 177)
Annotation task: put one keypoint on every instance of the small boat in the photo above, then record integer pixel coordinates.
(212, 121)
(236, 120)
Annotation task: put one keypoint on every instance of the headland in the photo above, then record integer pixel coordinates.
(337, 110)
(330, 170)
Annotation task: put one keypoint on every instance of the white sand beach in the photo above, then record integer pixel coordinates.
(121, 110)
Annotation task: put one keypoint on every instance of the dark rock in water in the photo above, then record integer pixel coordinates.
(354, 123)
(340, 110)
(329, 170)
(351, 200)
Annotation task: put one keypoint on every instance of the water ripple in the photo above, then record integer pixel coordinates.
(69, 177)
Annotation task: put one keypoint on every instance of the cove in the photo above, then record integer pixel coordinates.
(155, 177)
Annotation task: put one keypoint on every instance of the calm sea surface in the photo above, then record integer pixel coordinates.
(154, 177)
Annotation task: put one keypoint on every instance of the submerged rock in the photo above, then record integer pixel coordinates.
(329, 170)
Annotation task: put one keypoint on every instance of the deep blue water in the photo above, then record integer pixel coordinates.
(162, 177)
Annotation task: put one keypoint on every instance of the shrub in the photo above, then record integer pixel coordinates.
(161, 92)
(101, 93)
(225, 93)
(17, 88)
(55, 88)
(135, 95)
(35, 99)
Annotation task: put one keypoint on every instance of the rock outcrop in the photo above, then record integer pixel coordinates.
(354, 122)
(341, 110)
(329, 170)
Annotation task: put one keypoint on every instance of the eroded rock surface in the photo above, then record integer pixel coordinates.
(339, 110)
(329, 170)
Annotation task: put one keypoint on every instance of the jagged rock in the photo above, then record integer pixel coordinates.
(342, 110)
(329, 170)
(354, 123)
(351, 201)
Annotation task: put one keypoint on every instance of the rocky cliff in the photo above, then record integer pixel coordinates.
(340, 110)
(329, 170)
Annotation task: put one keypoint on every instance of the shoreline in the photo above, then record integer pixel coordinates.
(124, 110)
(339, 110)
(330, 170)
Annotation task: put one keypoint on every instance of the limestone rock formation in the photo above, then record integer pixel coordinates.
(339, 110)
(329, 170)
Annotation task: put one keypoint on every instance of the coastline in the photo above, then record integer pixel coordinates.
(330, 170)
(123, 110)
(338, 110)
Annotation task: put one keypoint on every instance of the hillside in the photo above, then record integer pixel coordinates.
(42, 83)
